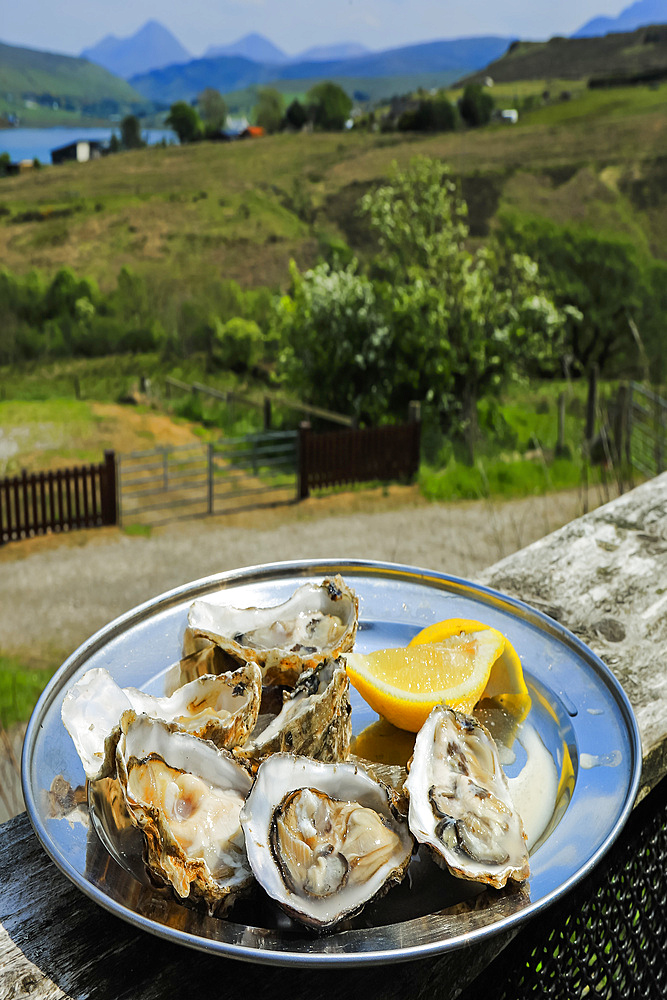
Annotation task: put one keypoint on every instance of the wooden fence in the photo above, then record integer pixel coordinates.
(647, 430)
(339, 458)
(37, 503)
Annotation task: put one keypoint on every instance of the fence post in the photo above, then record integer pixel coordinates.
(165, 467)
(591, 403)
(560, 440)
(267, 413)
(211, 495)
(304, 435)
(414, 411)
(109, 491)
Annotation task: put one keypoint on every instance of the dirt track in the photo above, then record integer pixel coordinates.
(55, 592)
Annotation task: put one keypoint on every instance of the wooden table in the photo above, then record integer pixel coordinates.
(604, 576)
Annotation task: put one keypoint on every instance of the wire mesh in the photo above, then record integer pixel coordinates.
(607, 938)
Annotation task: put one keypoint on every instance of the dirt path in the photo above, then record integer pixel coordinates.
(55, 592)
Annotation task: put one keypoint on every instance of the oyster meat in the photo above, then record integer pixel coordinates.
(460, 803)
(318, 621)
(323, 839)
(185, 795)
(220, 708)
(314, 719)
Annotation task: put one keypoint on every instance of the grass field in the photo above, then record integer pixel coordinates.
(242, 210)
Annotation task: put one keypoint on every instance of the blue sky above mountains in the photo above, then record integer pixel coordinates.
(294, 25)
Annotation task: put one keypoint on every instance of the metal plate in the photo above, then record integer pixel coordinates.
(578, 708)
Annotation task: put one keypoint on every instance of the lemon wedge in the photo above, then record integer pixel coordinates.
(506, 685)
(404, 684)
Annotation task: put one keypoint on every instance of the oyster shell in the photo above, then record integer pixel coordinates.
(318, 621)
(323, 839)
(185, 795)
(460, 803)
(314, 720)
(220, 708)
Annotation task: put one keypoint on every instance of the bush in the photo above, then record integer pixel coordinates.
(476, 105)
(237, 344)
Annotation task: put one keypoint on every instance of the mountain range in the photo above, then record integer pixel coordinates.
(446, 59)
(154, 47)
(637, 15)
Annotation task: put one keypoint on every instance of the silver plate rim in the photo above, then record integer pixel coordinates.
(264, 573)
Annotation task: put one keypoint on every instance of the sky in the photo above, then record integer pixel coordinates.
(292, 25)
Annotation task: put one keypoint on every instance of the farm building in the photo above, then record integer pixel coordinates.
(81, 151)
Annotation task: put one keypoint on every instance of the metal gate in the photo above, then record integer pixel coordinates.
(648, 430)
(234, 474)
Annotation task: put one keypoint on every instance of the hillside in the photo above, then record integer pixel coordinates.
(46, 77)
(446, 59)
(617, 55)
(32, 71)
(185, 216)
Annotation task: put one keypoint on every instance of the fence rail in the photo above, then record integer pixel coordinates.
(647, 430)
(37, 503)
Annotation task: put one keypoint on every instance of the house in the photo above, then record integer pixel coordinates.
(81, 151)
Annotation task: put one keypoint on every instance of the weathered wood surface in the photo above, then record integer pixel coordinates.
(604, 576)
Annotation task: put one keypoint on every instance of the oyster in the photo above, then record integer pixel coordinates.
(221, 708)
(314, 720)
(323, 839)
(318, 621)
(460, 803)
(186, 796)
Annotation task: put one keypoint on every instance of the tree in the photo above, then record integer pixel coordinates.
(212, 109)
(328, 105)
(464, 322)
(434, 320)
(605, 277)
(336, 341)
(185, 122)
(269, 109)
(296, 115)
(130, 132)
(430, 116)
(476, 105)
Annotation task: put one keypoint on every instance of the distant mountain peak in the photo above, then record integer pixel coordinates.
(341, 50)
(151, 47)
(637, 15)
(252, 46)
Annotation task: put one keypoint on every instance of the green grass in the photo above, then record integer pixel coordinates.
(20, 687)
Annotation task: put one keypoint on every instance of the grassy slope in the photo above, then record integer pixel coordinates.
(574, 58)
(29, 71)
(241, 210)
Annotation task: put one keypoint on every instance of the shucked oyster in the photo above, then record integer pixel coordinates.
(186, 796)
(460, 803)
(323, 839)
(220, 708)
(317, 621)
(314, 720)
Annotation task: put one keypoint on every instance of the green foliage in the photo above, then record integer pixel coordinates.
(212, 109)
(296, 115)
(336, 341)
(328, 106)
(269, 109)
(185, 122)
(476, 105)
(608, 280)
(237, 344)
(437, 115)
(130, 132)
(435, 322)
(20, 687)
(5, 160)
